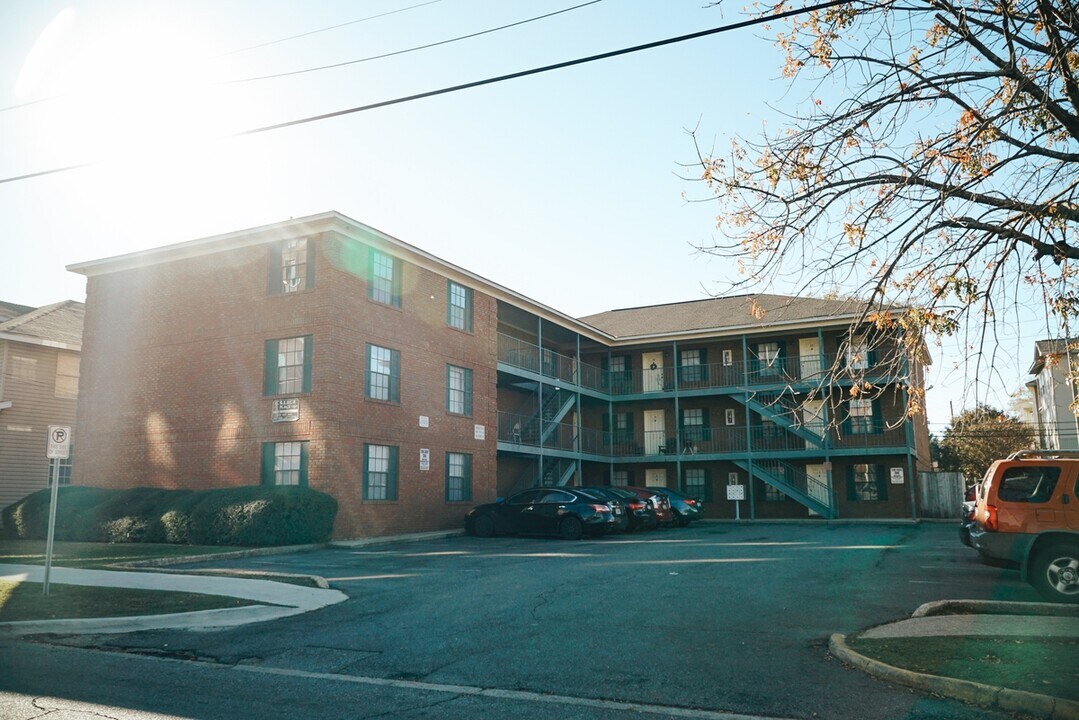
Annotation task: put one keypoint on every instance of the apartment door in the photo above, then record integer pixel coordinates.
(818, 487)
(655, 428)
(653, 371)
(655, 477)
(813, 420)
(809, 356)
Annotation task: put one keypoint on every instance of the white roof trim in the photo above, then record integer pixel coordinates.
(39, 341)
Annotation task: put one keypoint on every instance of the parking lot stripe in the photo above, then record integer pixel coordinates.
(522, 695)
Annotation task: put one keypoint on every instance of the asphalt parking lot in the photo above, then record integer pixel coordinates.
(723, 617)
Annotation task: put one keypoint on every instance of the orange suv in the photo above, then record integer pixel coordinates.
(1027, 514)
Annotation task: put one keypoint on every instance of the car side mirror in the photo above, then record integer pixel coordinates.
(500, 500)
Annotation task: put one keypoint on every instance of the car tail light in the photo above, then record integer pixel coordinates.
(601, 508)
(991, 517)
(690, 501)
(636, 506)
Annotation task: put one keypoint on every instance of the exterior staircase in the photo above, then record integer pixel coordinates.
(794, 483)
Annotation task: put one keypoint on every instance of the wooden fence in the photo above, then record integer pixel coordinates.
(940, 494)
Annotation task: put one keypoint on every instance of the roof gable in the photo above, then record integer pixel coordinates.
(56, 324)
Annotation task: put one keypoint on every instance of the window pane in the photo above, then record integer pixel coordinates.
(380, 373)
(456, 480)
(460, 307)
(695, 482)
(382, 278)
(621, 477)
(287, 463)
(290, 365)
(865, 482)
(378, 472)
(294, 266)
(691, 365)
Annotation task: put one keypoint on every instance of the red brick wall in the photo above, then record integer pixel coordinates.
(171, 392)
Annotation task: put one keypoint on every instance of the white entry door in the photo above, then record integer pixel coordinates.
(813, 419)
(819, 490)
(809, 356)
(655, 431)
(655, 478)
(653, 371)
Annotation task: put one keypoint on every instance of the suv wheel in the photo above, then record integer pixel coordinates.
(1054, 572)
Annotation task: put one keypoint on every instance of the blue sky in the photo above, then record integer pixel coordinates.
(565, 187)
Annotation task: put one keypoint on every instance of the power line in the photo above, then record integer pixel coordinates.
(477, 83)
(408, 50)
(49, 98)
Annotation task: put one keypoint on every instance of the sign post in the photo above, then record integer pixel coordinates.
(737, 493)
(58, 448)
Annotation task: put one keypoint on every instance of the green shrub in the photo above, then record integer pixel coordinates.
(249, 515)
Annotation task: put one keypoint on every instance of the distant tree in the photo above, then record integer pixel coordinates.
(933, 164)
(977, 437)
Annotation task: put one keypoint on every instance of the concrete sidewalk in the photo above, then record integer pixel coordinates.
(283, 600)
(973, 618)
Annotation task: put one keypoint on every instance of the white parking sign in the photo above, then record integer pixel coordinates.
(59, 446)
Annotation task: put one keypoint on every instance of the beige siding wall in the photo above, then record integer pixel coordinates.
(28, 381)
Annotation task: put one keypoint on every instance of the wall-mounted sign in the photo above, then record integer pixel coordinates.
(285, 410)
(897, 476)
(481, 432)
(425, 421)
(425, 459)
(736, 492)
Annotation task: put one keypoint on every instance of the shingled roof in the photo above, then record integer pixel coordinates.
(59, 323)
(724, 313)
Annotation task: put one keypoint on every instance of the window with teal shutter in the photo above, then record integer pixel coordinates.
(459, 307)
(285, 463)
(379, 472)
(383, 374)
(291, 266)
(288, 366)
(458, 477)
(384, 278)
(866, 482)
(458, 390)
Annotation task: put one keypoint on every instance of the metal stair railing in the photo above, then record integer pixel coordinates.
(795, 483)
(789, 416)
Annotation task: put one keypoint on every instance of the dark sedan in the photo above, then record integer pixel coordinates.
(639, 513)
(542, 511)
(657, 501)
(685, 509)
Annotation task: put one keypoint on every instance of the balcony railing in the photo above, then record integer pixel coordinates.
(779, 371)
(762, 439)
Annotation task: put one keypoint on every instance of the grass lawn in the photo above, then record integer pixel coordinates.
(24, 601)
(1048, 667)
(97, 555)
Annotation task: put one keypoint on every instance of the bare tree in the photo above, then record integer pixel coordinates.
(934, 167)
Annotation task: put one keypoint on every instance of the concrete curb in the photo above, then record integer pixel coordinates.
(395, 539)
(318, 580)
(993, 607)
(989, 696)
(806, 521)
(209, 557)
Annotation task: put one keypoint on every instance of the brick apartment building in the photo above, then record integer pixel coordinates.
(322, 352)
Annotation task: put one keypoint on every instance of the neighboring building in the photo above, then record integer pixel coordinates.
(39, 384)
(1057, 425)
(322, 352)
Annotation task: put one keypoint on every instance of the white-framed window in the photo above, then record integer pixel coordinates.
(458, 477)
(773, 494)
(857, 353)
(459, 314)
(290, 366)
(458, 390)
(380, 472)
(384, 280)
(861, 416)
(693, 424)
(697, 483)
(621, 478)
(286, 467)
(866, 483)
(768, 357)
(294, 265)
(728, 358)
(383, 372)
(691, 370)
(729, 416)
(67, 376)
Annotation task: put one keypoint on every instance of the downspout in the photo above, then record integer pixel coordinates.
(677, 423)
(749, 433)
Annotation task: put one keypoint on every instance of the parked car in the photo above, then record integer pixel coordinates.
(618, 506)
(542, 511)
(1026, 513)
(966, 514)
(639, 514)
(684, 509)
(659, 503)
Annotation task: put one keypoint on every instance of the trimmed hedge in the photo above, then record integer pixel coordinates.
(249, 515)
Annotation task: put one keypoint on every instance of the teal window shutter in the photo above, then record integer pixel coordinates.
(367, 376)
(395, 376)
(396, 282)
(391, 482)
(704, 365)
(308, 352)
(882, 482)
(309, 282)
(878, 423)
(468, 392)
(303, 463)
(708, 485)
(446, 478)
(704, 420)
(274, 285)
(449, 389)
(269, 377)
(268, 463)
(852, 491)
(468, 477)
(366, 469)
